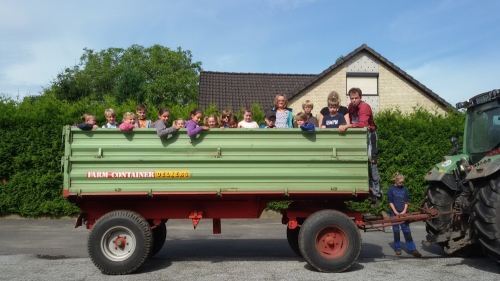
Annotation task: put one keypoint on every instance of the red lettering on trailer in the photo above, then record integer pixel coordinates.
(111, 175)
(150, 174)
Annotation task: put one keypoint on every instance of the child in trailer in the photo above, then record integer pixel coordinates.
(224, 118)
(233, 121)
(398, 196)
(211, 121)
(88, 122)
(110, 115)
(334, 119)
(179, 122)
(128, 122)
(270, 119)
(142, 121)
(161, 123)
(302, 123)
(192, 125)
(308, 106)
(247, 122)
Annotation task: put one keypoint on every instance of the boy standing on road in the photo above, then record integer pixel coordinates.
(361, 116)
(398, 197)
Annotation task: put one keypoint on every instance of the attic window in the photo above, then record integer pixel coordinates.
(367, 82)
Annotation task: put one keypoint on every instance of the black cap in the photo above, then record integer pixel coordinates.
(270, 114)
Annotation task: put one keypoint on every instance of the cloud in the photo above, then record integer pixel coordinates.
(459, 78)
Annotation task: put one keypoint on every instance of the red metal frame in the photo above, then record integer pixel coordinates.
(161, 206)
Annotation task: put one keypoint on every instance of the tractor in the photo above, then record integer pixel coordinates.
(465, 187)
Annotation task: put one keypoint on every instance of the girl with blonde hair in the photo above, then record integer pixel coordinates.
(398, 198)
(284, 117)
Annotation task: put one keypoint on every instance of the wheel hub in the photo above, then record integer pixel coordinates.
(118, 243)
(331, 242)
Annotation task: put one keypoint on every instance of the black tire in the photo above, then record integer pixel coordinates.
(486, 208)
(159, 236)
(135, 235)
(439, 197)
(292, 236)
(330, 241)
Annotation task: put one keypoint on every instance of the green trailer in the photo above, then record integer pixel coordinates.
(129, 184)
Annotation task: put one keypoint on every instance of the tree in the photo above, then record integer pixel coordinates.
(156, 74)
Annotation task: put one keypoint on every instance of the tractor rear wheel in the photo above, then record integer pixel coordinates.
(486, 211)
(439, 197)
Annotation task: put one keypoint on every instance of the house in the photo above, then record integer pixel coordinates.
(384, 86)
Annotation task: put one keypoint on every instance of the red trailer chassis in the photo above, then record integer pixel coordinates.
(322, 231)
(210, 205)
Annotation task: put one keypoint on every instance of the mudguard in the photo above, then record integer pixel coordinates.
(443, 171)
(484, 168)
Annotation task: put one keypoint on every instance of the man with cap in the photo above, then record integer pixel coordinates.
(270, 119)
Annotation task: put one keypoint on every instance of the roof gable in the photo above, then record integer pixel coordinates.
(383, 60)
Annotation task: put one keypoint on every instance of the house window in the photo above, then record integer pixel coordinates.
(368, 83)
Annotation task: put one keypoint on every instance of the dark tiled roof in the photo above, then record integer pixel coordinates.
(237, 90)
(386, 62)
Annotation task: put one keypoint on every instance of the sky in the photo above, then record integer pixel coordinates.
(452, 47)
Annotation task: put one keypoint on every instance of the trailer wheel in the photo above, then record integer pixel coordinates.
(486, 223)
(159, 236)
(119, 242)
(292, 236)
(330, 241)
(439, 197)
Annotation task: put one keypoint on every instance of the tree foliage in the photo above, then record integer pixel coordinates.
(156, 74)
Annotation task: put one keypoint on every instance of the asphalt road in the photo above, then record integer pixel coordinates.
(246, 250)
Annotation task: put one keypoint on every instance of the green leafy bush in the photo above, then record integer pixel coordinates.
(412, 144)
(31, 147)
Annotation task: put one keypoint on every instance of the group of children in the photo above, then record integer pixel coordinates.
(130, 120)
(304, 120)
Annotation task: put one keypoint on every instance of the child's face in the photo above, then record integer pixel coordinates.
(399, 181)
(181, 123)
(130, 120)
(164, 117)
(247, 116)
(211, 122)
(111, 119)
(307, 110)
(333, 109)
(90, 120)
(233, 125)
(197, 118)
(270, 121)
(141, 114)
(300, 122)
(225, 119)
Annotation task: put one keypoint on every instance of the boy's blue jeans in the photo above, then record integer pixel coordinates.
(410, 245)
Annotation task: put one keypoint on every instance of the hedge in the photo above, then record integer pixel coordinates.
(31, 148)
